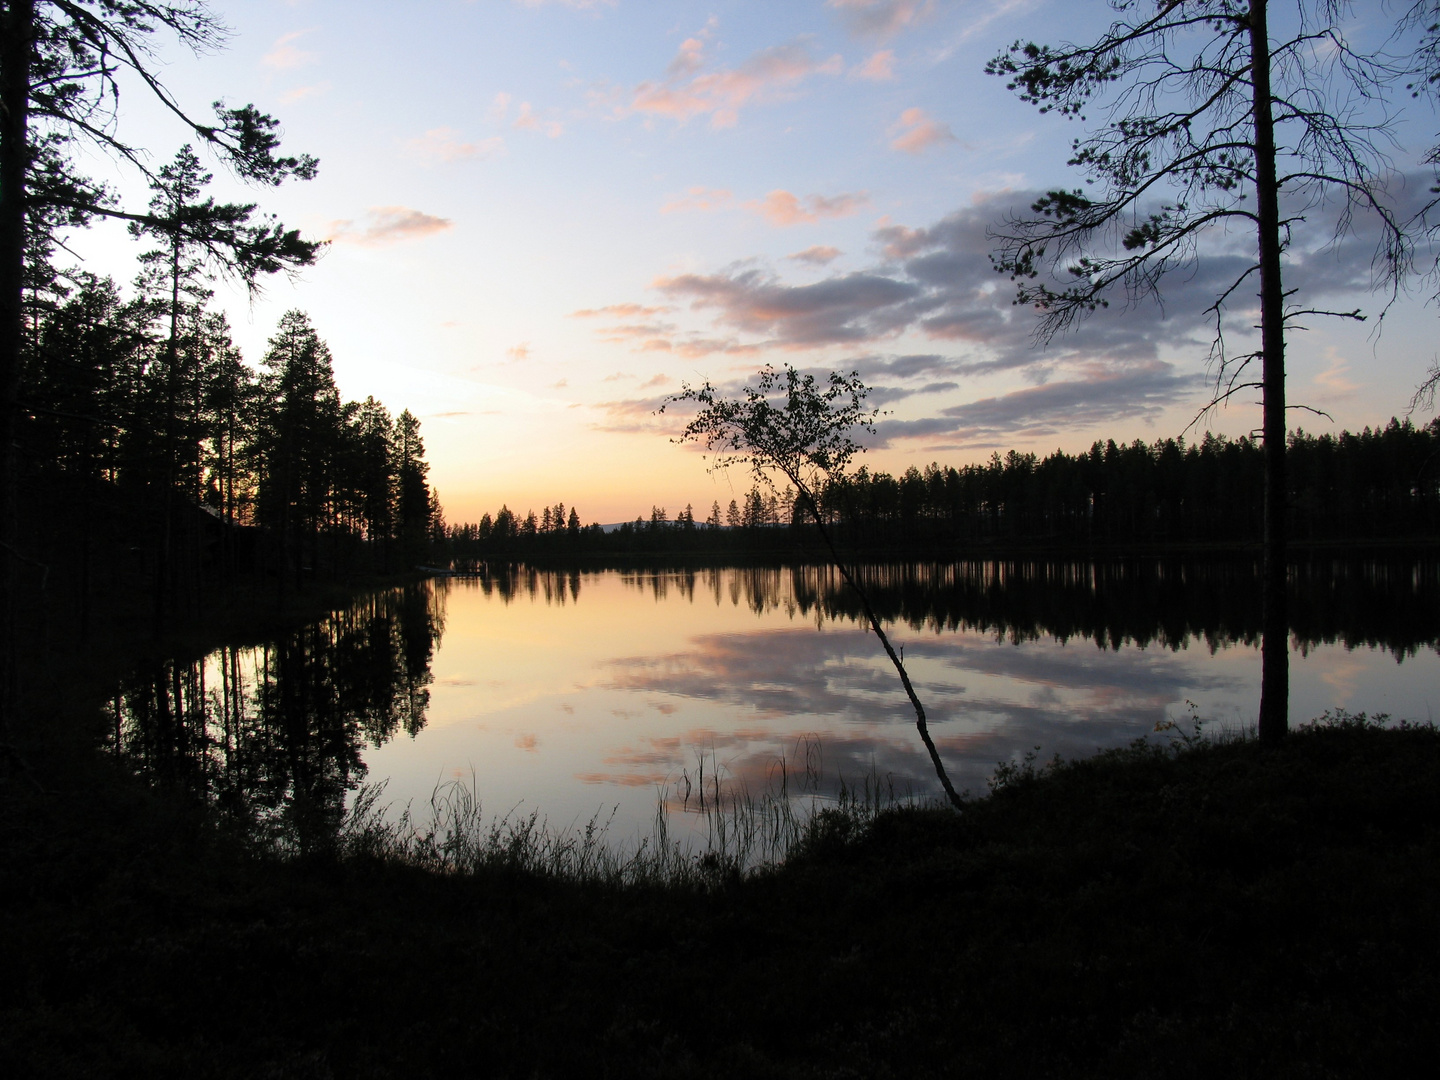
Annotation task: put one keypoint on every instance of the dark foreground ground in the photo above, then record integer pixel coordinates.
(1227, 910)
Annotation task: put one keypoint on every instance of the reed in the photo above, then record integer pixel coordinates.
(732, 833)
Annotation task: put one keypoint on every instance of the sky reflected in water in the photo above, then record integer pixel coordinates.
(591, 693)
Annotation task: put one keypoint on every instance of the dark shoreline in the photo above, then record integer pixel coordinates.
(1228, 909)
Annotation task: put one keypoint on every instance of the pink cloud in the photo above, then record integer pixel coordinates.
(445, 144)
(915, 132)
(783, 209)
(882, 18)
(526, 120)
(383, 225)
(285, 56)
(300, 93)
(688, 60)
(900, 241)
(819, 255)
(617, 311)
(880, 67)
(699, 198)
(688, 90)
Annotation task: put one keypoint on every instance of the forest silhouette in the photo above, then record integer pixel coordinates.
(1378, 485)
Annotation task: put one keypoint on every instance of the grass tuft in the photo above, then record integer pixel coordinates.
(735, 833)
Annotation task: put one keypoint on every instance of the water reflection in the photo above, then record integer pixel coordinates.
(274, 733)
(577, 691)
(1392, 604)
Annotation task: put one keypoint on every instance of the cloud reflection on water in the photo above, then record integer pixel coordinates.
(983, 699)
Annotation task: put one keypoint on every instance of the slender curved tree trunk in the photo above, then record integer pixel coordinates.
(1275, 628)
(921, 724)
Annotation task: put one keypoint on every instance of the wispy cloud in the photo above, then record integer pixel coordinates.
(445, 144)
(998, 9)
(851, 308)
(783, 209)
(699, 198)
(1333, 382)
(526, 120)
(383, 225)
(689, 90)
(882, 18)
(300, 93)
(878, 67)
(285, 55)
(617, 311)
(915, 132)
(1101, 394)
(819, 255)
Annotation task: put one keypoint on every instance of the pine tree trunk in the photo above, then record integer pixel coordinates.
(15, 55)
(1275, 630)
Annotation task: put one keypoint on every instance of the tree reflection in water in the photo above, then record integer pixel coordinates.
(276, 735)
(273, 734)
(1389, 604)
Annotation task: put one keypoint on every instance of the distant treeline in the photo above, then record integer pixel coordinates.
(154, 458)
(1382, 483)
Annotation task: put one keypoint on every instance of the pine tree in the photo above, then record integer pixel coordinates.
(412, 503)
(301, 409)
(1212, 121)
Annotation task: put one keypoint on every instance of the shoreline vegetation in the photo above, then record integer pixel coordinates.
(1183, 906)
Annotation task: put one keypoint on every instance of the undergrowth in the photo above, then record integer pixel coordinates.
(741, 834)
(735, 832)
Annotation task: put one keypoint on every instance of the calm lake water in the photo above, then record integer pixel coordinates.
(605, 692)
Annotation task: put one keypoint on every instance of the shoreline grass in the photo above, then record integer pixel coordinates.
(744, 834)
(1200, 908)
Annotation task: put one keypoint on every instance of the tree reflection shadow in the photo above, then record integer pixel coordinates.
(272, 734)
(1389, 604)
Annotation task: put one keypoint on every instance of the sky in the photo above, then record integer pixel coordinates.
(546, 215)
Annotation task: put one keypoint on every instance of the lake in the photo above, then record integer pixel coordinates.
(580, 693)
